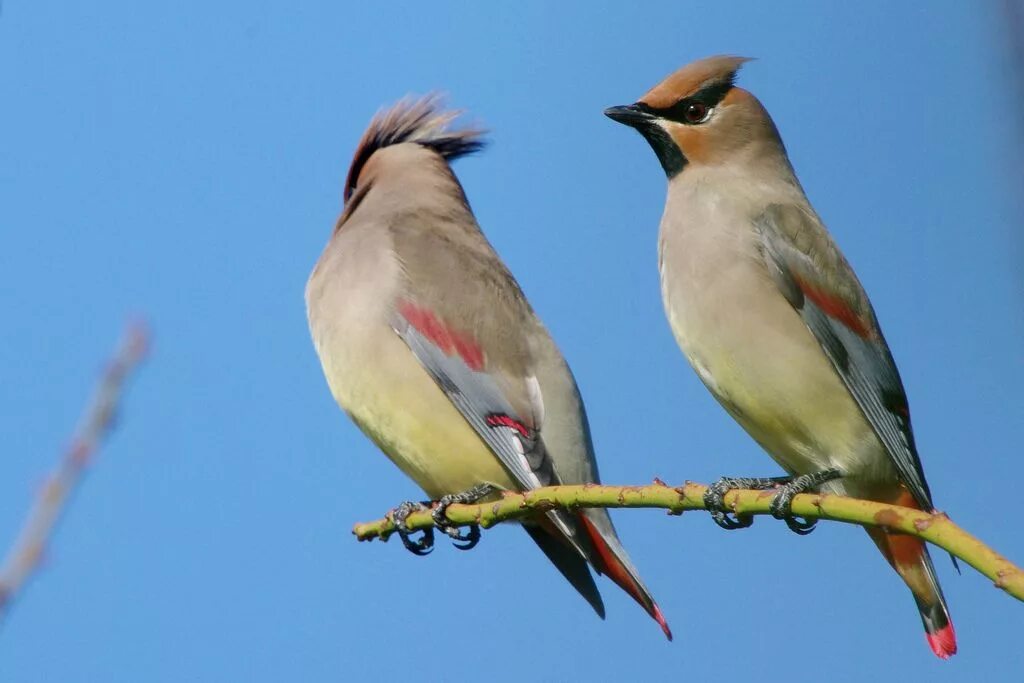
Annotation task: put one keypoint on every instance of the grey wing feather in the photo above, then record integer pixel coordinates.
(797, 247)
(477, 397)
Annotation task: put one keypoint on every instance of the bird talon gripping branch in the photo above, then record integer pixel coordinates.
(714, 498)
(714, 501)
(782, 503)
(425, 543)
(462, 541)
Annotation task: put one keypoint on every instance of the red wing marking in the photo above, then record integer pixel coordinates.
(506, 421)
(448, 340)
(835, 308)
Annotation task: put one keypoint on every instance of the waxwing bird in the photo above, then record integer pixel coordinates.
(773, 319)
(428, 343)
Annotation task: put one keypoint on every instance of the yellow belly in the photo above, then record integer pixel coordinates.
(396, 403)
(749, 345)
(767, 370)
(374, 376)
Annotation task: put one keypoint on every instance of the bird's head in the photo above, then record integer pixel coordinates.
(698, 116)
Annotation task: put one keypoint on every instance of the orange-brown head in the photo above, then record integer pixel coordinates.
(698, 116)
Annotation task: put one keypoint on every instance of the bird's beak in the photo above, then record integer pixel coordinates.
(630, 114)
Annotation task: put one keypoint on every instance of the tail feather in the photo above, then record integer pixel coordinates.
(569, 562)
(592, 540)
(611, 560)
(938, 629)
(909, 557)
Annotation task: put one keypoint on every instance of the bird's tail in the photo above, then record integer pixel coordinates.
(594, 541)
(610, 558)
(909, 557)
(568, 560)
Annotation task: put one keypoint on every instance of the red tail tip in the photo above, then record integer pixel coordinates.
(660, 618)
(943, 642)
(618, 573)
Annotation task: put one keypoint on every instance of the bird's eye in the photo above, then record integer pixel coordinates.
(696, 112)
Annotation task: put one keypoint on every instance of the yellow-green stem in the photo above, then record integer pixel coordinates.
(934, 528)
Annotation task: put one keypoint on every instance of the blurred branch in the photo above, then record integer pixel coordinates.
(934, 528)
(96, 423)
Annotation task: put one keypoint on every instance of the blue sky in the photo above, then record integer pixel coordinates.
(185, 161)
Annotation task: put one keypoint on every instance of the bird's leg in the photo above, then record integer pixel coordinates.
(440, 515)
(782, 503)
(425, 543)
(714, 498)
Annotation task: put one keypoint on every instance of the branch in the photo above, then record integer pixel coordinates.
(935, 528)
(51, 502)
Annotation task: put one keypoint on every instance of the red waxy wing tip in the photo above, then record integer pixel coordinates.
(506, 421)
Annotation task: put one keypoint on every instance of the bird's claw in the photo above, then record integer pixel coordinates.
(462, 541)
(782, 508)
(469, 539)
(714, 501)
(425, 543)
(782, 504)
(714, 498)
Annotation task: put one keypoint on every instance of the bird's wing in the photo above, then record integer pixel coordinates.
(816, 279)
(459, 365)
(467, 322)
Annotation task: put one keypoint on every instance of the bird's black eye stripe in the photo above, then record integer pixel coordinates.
(706, 99)
(647, 109)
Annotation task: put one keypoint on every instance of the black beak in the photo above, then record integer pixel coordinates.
(645, 120)
(633, 115)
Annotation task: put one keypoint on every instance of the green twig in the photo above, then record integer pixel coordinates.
(935, 528)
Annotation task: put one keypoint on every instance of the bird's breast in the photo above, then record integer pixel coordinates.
(377, 380)
(747, 343)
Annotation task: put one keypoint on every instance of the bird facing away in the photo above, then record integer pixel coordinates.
(428, 343)
(772, 318)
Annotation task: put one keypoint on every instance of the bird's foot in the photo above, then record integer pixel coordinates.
(462, 541)
(714, 498)
(782, 504)
(425, 543)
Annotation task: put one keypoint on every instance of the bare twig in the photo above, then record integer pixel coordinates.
(97, 422)
(935, 528)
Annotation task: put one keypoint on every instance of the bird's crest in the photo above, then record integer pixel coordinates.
(422, 121)
(694, 77)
